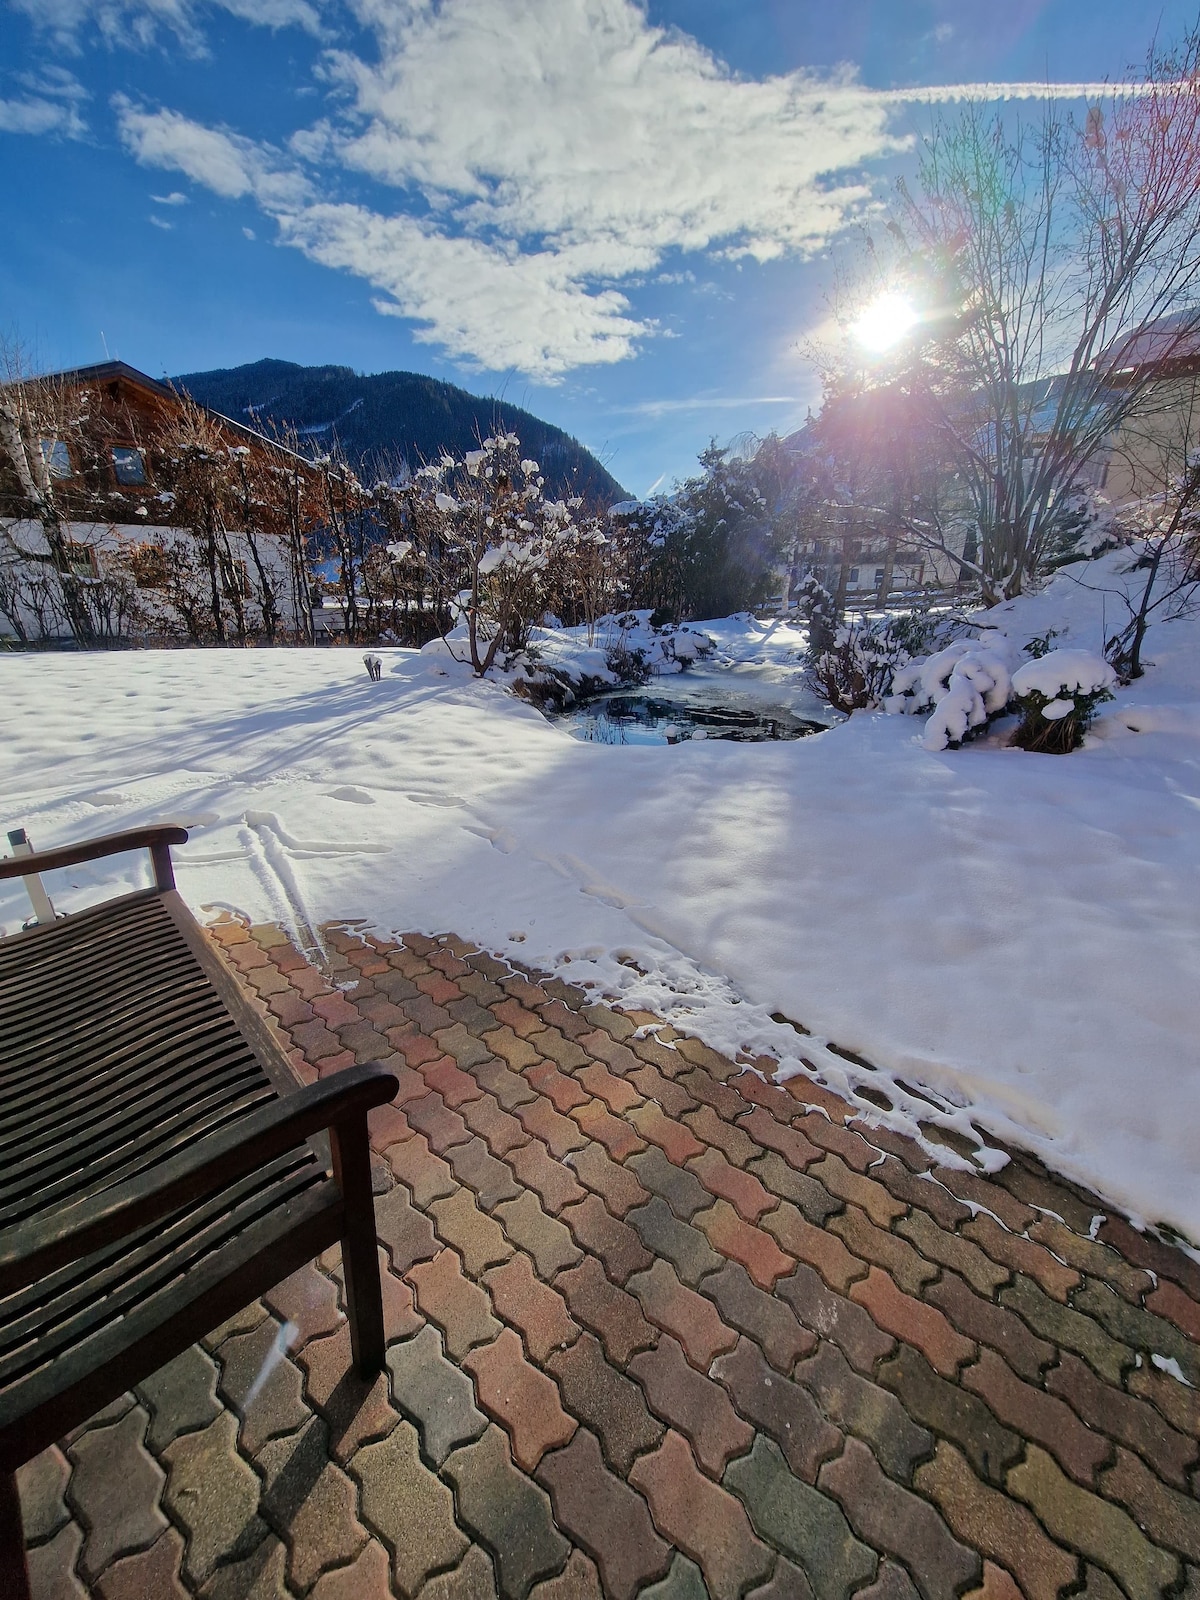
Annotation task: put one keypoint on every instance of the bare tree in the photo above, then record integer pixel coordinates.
(1056, 264)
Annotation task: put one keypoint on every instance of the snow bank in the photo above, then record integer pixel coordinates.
(1013, 935)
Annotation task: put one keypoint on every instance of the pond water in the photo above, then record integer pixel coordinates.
(705, 703)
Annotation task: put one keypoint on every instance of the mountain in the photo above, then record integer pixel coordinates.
(382, 416)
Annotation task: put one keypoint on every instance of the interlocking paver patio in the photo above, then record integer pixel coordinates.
(657, 1326)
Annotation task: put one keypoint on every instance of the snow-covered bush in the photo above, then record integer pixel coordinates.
(1058, 695)
(858, 668)
(963, 686)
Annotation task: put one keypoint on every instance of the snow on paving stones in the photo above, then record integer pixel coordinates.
(1016, 933)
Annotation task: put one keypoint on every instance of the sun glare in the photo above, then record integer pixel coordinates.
(884, 322)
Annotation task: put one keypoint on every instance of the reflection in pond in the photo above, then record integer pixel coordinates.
(638, 716)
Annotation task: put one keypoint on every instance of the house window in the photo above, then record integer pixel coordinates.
(148, 563)
(81, 559)
(56, 456)
(878, 576)
(129, 465)
(853, 574)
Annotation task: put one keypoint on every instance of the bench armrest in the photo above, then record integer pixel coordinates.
(33, 1249)
(157, 838)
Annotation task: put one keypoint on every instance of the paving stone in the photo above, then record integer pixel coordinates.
(563, 1092)
(41, 1484)
(415, 1046)
(1170, 1518)
(612, 1022)
(911, 1320)
(477, 1238)
(992, 1325)
(438, 1394)
(261, 1384)
(1089, 1256)
(893, 1583)
(617, 1245)
(564, 1052)
(354, 1408)
(426, 1175)
(618, 1094)
(52, 1574)
(309, 1301)
(779, 1407)
(1037, 1415)
(695, 1406)
(473, 1579)
(557, 1132)
(543, 1237)
(406, 1232)
(605, 1401)
(1174, 1399)
(427, 1014)
(539, 1312)
(887, 1250)
(661, 1087)
(685, 1581)
(152, 1574)
(617, 1186)
(400, 1317)
(995, 1525)
(951, 1412)
(685, 1247)
(366, 1578)
(702, 1519)
(728, 1104)
(442, 1127)
(519, 1054)
(919, 1188)
(763, 1316)
(1063, 1326)
(997, 1585)
(1099, 1586)
(880, 1205)
(614, 1133)
(499, 1079)
(688, 1316)
(474, 1165)
(810, 1197)
(979, 1192)
(258, 1576)
(578, 1580)
(311, 1503)
(609, 1312)
(212, 1495)
(445, 1077)
(501, 1132)
(1138, 1328)
(805, 1524)
(1022, 1255)
(674, 1138)
(511, 1514)
(1168, 1300)
(605, 1516)
(520, 1397)
(678, 1186)
(897, 1522)
(816, 1247)
(460, 1308)
(787, 1582)
(780, 1138)
(412, 1510)
(115, 1491)
(553, 1180)
(1112, 1411)
(861, 1407)
(834, 1317)
(1101, 1531)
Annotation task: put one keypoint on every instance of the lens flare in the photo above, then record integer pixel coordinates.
(885, 322)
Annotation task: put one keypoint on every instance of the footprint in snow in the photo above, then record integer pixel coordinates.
(358, 797)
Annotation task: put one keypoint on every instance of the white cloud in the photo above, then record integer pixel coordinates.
(172, 199)
(158, 222)
(543, 152)
(140, 22)
(53, 104)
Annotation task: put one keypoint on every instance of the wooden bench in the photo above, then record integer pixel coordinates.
(160, 1166)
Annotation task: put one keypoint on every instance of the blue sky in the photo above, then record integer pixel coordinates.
(622, 216)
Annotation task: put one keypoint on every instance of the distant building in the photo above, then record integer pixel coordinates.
(107, 439)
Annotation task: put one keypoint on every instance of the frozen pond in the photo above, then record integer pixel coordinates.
(743, 703)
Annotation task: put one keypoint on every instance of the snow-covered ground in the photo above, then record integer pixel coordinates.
(1016, 933)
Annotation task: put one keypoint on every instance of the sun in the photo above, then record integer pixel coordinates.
(885, 322)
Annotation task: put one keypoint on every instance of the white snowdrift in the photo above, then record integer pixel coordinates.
(1017, 933)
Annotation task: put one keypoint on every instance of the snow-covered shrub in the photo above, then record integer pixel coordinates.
(1058, 695)
(963, 686)
(857, 669)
